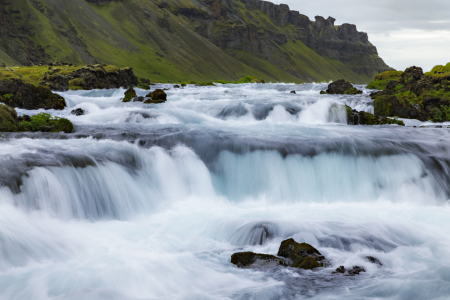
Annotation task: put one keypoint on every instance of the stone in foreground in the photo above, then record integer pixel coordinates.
(300, 255)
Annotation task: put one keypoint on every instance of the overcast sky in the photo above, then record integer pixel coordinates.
(405, 32)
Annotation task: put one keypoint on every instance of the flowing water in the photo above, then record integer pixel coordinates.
(150, 201)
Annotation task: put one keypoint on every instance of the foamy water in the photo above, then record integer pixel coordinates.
(150, 201)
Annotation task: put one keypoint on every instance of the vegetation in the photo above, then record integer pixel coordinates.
(381, 80)
(9, 122)
(413, 94)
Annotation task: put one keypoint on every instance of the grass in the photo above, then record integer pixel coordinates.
(119, 33)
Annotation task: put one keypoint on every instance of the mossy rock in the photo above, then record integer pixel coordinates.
(290, 246)
(309, 263)
(8, 118)
(255, 260)
(77, 82)
(157, 96)
(129, 94)
(353, 91)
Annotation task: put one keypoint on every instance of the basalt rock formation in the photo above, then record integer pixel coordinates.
(200, 40)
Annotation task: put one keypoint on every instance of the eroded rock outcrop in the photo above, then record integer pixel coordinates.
(90, 77)
(413, 94)
(16, 93)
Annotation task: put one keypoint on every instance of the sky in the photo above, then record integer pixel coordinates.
(405, 32)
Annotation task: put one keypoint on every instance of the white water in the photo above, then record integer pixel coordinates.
(150, 201)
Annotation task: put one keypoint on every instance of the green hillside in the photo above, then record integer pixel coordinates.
(172, 40)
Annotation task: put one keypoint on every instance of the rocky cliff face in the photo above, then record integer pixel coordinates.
(187, 40)
(342, 42)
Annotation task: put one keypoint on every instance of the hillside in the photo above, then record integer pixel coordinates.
(182, 40)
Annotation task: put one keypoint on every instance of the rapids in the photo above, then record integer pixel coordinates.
(150, 201)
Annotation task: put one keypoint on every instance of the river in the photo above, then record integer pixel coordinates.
(150, 201)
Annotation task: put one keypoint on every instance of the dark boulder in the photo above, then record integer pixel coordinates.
(255, 260)
(78, 112)
(16, 93)
(342, 87)
(300, 255)
(293, 92)
(157, 96)
(129, 94)
(176, 86)
(356, 270)
(91, 77)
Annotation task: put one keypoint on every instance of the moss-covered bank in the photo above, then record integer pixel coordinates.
(413, 94)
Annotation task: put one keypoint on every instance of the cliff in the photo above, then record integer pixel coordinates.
(187, 40)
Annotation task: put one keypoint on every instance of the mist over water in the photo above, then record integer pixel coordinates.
(150, 201)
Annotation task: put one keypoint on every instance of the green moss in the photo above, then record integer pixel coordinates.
(352, 91)
(77, 82)
(7, 119)
(129, 94)
(382, 79)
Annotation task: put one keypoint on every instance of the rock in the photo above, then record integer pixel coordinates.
(374, 260)
(356, 270)
(293, 92)
(340, 270)
(176, 86)
(8, 116)
(342, 87)
(77, 112)
(9, 122)
(129, 94)
(365, 118)
(90, 77)
(16, 93)
(352, 272)
(139, 99)
(297, 254)
(157, 96)
(255, 260)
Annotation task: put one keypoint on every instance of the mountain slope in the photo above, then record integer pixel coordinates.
(181, 40)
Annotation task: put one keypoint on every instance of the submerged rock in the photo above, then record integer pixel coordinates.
(373, 260)
(255, 260)
(293, 92)
(342, 87)
(77, 112)
(352, 272)
(157, 96)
